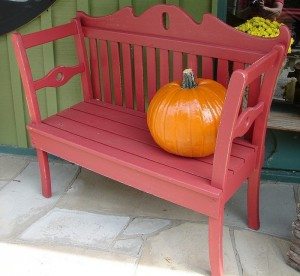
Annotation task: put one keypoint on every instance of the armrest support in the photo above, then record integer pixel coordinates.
(246, 119)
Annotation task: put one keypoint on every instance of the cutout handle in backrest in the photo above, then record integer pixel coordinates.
(165, 20)
(58, 76)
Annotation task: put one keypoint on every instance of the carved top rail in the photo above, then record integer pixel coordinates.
(171, 21)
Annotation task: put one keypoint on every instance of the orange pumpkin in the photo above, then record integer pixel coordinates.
(183, 118)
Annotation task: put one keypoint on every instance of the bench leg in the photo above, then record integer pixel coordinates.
(215, 236)
(253, 200)
(44, 172)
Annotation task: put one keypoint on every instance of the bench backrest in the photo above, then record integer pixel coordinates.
(156, 46)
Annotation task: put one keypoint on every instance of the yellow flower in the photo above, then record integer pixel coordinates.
(258, 26)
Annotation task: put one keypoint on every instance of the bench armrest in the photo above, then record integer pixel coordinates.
(58, 76)
(235, 124)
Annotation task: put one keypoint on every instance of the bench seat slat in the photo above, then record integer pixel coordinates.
(128, 110)
(129, 134)
(112, 114)
(140, 164)
(131, 146)
(126, 116)
(142, 135)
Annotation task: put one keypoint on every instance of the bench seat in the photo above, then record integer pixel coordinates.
(121, 137)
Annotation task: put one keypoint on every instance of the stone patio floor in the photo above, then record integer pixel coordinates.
(95, 226)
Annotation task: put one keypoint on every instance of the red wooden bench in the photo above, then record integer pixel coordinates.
(128, 58)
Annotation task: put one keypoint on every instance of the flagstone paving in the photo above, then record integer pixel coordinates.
(11, 166)
(145, 226)
(77, 228)
(277, 209)
(183, 250)
(21, 201)
(92, 193)
(129, 246)
(93, 225)
(262, 254)
(2, 184)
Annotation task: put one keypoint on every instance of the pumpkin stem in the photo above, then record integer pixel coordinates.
(188, 80)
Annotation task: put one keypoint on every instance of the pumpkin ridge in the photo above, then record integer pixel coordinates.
(176, 92)
(192, 95)
(216, 97)
(213, 112)
(176, 128)
(215, 93)
(164, 114)
(198, 97)
(204, 142)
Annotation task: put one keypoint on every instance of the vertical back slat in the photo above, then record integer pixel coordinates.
(127, 75)
(207, 68)
(177, 66)
(138, 77)
(104, 65)
(95, 69)
(116, 71)
(151, 72)
(192, 63)
(164, 66)
(82, 58)
(223, 72)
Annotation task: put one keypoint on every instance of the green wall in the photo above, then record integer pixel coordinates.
(13, 110)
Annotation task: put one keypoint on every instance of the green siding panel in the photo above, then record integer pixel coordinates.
(83, 5)
(196, 8)
(99, 8)
(13, 110)
(8, 132)
(141, 6)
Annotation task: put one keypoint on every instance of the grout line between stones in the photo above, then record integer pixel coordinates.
(68, 187)
(4, 184)
(236, 253)
(18, 173)
(139, 256)
(120, 233)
